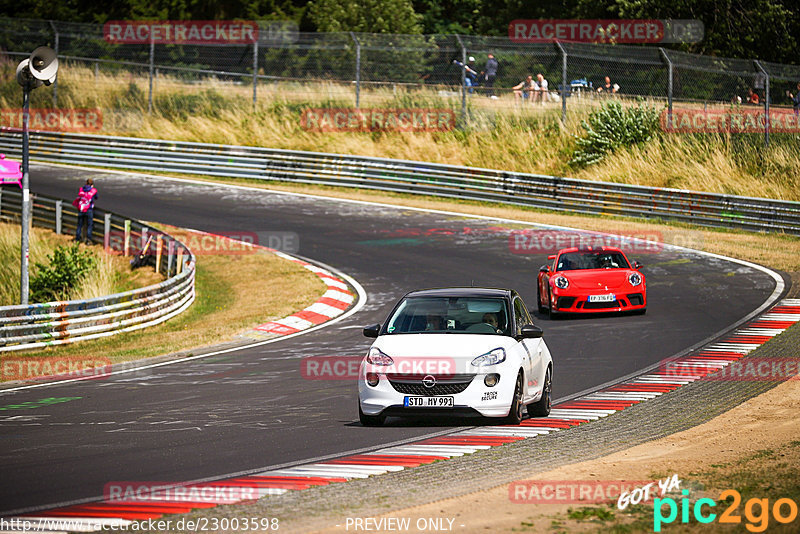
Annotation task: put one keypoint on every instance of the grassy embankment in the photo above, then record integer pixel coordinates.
(503, 136)
(233, 292)
(111, 275)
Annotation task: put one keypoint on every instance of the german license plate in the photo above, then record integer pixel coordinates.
(428, 402)
(602, 298)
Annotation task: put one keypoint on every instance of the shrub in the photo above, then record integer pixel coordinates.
(612, 127)
(68, 265)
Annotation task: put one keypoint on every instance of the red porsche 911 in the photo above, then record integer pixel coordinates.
(591, 280)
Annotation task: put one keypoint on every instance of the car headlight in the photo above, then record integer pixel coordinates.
(635, 279)
(376, 357)
(490, 358)
(561, 282)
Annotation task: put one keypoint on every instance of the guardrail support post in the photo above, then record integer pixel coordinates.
(126, 244)
(669, 86)
(766, 102)
(159, 249)
(179, 266)
(358, 67)
(255, 72)
(106, 230)
(170, 256)
(143, 238)
(59, 208)
(564, 91)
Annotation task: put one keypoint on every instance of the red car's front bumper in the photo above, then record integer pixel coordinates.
(578, 302)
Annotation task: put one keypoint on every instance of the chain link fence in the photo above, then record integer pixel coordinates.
(359, 69)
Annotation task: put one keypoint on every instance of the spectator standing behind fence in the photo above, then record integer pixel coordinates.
(752, 97)
(525, 88)
(87, 194)
(470, 74)
(489, 74)
(795, 99)
(542, 92)
(608, 87)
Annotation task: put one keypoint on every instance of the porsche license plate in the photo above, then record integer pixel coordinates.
(428, 402)
(602, 298)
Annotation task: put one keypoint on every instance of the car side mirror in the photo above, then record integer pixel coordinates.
(637, 265)
(544, 269)
(530, 331)
(372, 330)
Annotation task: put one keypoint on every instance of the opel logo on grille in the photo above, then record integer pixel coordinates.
(429, 381)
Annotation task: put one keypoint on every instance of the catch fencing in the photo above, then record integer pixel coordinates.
(32, 326)
(359, 68)
(449, 181)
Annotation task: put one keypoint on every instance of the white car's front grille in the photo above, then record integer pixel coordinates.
(444, 386)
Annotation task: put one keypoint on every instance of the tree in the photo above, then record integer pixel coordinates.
(371, 16)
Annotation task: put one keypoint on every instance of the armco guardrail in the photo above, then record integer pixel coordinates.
(548, 192)
(53, 323)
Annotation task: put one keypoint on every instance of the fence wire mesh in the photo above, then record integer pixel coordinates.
(347, 69)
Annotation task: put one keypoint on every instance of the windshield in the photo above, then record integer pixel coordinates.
(572, 261)
(450, 315)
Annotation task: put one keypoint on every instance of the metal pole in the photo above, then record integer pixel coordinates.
(766, 102)
(152, 58)
(669, 86)
(55, 83)
(255, 72)
(563, 83)
(59, 211)
(26, 194)
(358, 68)
(463, 80)
(106, 231)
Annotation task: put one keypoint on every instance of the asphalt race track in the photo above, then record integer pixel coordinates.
(251, 409)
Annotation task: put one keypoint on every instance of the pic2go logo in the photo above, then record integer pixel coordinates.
(756, 511)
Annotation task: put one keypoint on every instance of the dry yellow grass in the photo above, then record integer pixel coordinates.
(503, 135)
(112, 274)
(234, 292)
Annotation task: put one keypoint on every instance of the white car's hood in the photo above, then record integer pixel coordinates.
(433, 345)
(438, 353)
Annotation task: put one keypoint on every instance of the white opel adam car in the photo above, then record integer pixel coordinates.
(456, 351)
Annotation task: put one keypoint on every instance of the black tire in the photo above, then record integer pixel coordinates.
(370, 420)
(542, 309)
(541, 408)
(552, 314)
(514, 416)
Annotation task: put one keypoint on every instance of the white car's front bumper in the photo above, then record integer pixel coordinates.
(486, 401)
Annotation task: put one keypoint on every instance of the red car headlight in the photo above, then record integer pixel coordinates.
(561, 282)
(635, 279)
